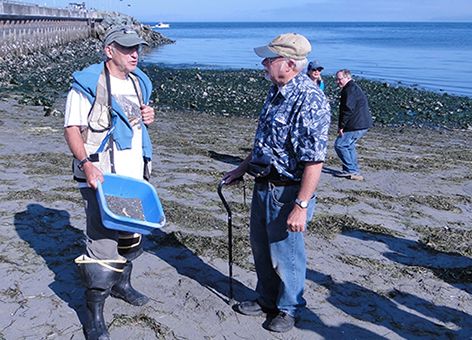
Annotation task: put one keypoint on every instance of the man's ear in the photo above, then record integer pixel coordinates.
(109, 51)
(291, 65)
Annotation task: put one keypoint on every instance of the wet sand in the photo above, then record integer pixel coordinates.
(388, 257)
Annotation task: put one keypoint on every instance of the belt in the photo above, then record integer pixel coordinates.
(277, 183)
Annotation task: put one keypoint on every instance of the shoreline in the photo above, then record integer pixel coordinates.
(45, 78)
(386, 82)
(245, 90)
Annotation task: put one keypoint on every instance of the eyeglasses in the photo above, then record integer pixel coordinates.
(270, 61)
(128, 50)
(339, 79)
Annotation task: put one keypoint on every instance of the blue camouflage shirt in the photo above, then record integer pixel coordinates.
(293, 127)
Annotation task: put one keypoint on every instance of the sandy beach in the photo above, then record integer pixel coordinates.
(388, 257)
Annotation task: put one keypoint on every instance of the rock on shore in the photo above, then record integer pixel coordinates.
(114, 18)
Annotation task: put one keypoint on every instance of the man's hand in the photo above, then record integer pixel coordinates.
(233, 176)
(297, 219)
(340, 132)
(92, 173)
(147, 113)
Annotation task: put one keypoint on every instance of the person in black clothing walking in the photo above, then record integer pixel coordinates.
(354, 121)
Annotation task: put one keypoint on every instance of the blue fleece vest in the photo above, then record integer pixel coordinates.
(85, 82)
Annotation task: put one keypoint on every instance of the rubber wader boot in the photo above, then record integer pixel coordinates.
(123, 289)
(96, 329)
(98, 280)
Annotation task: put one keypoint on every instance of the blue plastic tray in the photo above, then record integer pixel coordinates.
(127, 187)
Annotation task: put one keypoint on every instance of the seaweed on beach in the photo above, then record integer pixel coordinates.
(160, 330)
(51, 163)
(43, 76)
(210, 246)
(446, 239)
(395, 270)
(328, 226)
(438, 202)
(398, 105)
(13, 292)
(344, 201)
(190, 217)
(36, 195)
(242, 92)
(218, 92)
(454, 275)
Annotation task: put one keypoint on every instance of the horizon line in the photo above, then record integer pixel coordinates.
(314, 22)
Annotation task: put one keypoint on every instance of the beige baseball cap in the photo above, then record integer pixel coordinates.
(289, 45)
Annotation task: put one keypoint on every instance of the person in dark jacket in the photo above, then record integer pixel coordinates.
(354, 121)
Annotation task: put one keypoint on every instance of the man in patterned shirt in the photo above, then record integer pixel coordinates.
(286, 160)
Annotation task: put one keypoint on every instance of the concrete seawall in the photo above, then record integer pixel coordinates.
(28, 27)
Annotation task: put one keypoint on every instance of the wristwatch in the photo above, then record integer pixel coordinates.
(301, 204)
(80, 165)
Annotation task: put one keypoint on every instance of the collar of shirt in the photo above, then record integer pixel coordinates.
(287, 88)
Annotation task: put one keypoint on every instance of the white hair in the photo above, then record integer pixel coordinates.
(299, 64)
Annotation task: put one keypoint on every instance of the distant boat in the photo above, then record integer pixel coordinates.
(161, 25)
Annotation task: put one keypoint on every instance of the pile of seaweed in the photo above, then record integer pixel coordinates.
(242, 92)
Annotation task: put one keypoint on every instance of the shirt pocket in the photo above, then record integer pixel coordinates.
(280, 129)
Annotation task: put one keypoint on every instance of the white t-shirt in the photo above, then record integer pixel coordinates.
(127, 162)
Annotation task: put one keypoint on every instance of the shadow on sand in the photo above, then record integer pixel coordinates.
(330, 171)
(188, 264)
(225, 158)
(406, 315)
(49, 233)
(452, 268)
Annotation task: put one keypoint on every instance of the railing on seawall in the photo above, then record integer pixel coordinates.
(28, 27)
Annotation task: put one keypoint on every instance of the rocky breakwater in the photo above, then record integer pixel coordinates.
(112, 18)
(43, 76)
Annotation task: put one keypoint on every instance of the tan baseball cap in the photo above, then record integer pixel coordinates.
(289, 45)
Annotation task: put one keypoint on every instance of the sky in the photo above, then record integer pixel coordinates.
(282, 10)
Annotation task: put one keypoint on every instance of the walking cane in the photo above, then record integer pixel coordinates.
(230, 239)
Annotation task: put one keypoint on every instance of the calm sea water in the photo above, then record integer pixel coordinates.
(436, 56)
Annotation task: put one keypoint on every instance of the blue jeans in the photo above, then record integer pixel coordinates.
(345, 147)
(279, 255)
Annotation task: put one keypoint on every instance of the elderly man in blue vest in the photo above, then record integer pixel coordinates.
(286, 159)
(106, 121)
